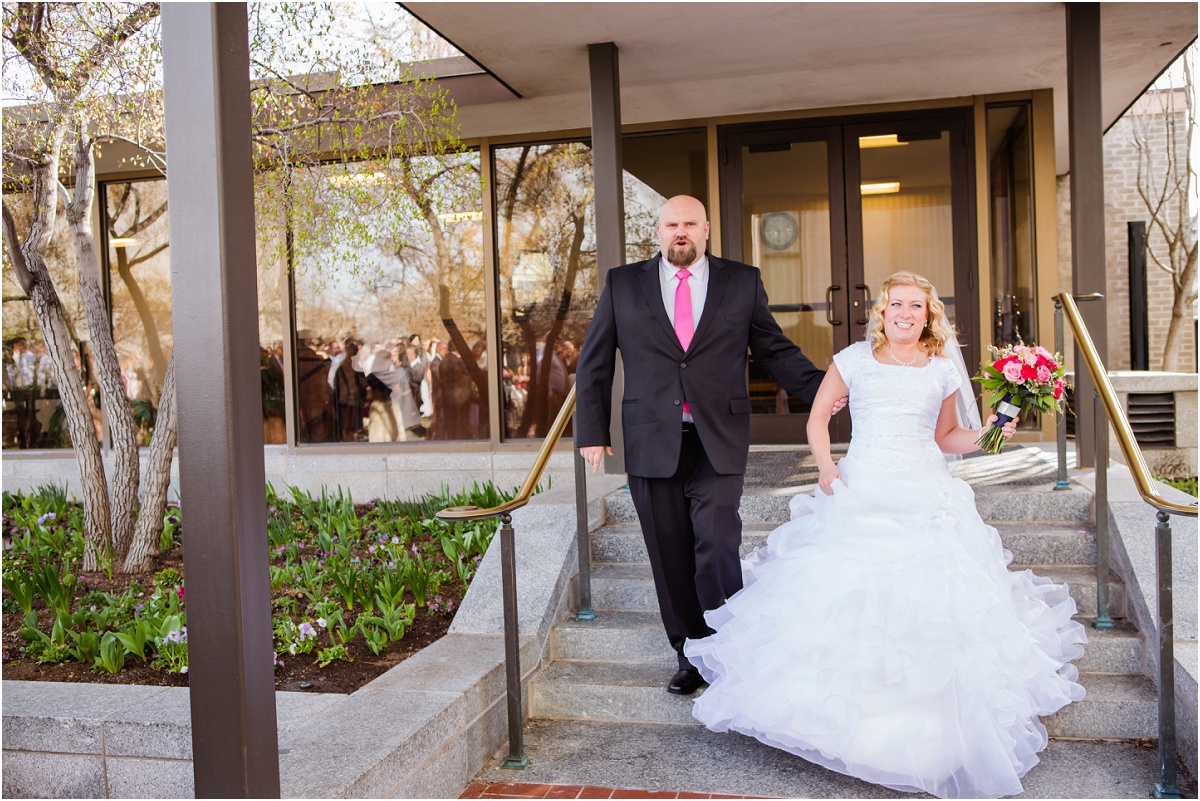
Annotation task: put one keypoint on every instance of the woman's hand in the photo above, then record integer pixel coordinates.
(828, 476)
(1009, 428)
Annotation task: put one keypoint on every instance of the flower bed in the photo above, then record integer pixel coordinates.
(355, 589)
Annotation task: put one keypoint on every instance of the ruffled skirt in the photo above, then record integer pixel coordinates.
(880, 634)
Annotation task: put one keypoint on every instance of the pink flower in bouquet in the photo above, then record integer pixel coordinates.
(1029, 357)
(1045, 354)
(1012, 371)
(1043, 374)
(1058, 390)
(1028, 372)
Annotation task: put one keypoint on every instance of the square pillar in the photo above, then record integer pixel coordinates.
(1089, 269)
(214, 295)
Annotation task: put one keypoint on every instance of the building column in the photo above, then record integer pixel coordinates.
(609, 199)
(214, 295)
(1088, 267)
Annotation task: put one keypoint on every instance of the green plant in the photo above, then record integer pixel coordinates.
(327, 656)
(1184, 484)
(171, 644)
(134, 639)
(20, 586)
(375, 635)
(112, 654)
(171, 524)
(168, 577)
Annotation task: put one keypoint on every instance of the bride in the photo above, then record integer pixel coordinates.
(879, 633)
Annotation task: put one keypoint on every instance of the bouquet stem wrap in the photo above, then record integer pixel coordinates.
(992, 440)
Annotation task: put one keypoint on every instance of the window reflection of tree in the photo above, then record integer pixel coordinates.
(545, 207)
(136, 222)
(424, 268)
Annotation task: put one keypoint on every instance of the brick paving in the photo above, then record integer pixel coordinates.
(483, 789)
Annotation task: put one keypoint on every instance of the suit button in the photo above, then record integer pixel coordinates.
(683, 364)
(676, 403)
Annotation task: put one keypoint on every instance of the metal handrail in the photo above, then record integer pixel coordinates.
(1109, 409)
(531, 481)
(508, 567)
(1143, 479)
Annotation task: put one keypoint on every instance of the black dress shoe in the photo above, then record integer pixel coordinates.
(685, 682)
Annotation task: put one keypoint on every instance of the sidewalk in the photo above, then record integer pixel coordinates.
(483, 789)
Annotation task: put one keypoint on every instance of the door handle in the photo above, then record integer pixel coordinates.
(866, 302)
(829, 304)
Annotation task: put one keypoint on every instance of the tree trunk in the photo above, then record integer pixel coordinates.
(153, 341)
(124, 484)
(1180, 311)
(158, 481)
(29, 264)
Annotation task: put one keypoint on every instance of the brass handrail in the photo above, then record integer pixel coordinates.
(1146, 485)
(508, 569)
(531, 481)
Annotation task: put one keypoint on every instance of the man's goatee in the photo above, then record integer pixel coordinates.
(681, 258)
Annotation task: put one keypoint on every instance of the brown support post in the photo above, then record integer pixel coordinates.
(214, 294)
(1088, 267)
(609, 196)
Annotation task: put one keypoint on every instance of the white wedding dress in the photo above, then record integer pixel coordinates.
(879, 633)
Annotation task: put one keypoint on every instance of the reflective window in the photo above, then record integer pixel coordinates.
(391, 338)
(139, 278)
(545, 243)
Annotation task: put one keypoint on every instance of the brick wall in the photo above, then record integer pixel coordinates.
(1123, 205)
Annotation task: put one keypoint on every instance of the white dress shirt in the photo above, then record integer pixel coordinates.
(668, 279)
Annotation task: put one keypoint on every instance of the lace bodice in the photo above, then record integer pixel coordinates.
(894, 409)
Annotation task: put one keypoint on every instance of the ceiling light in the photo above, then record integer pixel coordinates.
(883, 140)
(880, 188)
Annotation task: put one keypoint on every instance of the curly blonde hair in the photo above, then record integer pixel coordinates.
(937, 331)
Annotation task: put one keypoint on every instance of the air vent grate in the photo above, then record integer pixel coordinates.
(1152, 417)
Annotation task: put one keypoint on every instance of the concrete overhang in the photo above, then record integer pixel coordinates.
(686, 61)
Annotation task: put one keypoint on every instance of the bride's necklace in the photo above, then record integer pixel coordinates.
(908, 363)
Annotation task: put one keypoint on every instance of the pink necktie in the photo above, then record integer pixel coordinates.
(683, 317)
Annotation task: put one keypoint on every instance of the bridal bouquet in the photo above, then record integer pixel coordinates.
(1019, 375)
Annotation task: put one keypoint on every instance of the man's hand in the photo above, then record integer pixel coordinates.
(839, 404)
(594, 453)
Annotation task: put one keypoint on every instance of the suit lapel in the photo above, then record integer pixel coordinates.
(718, 278)
(654, 298)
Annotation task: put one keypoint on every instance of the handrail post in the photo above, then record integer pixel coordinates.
(1061, 426)
(583, 541)
(1167, 786)
(1103, 620)
(512, 645)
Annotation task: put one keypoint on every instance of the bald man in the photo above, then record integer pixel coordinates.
(684, 321)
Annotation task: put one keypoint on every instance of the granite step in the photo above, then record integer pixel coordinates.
(1030, 543)
(630, 587)
(637, 637)
(1116, 706)
(996, 503)
(650, 757)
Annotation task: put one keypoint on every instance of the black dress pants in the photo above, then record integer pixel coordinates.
(693, 530)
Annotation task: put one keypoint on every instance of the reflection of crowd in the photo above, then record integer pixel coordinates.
(523, 416)
(391, 391)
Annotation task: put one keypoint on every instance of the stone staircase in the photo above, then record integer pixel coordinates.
(614, 669)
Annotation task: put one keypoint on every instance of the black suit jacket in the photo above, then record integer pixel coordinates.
(630, 317)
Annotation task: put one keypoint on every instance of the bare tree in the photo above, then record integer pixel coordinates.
(1162, 128)
(91, 75)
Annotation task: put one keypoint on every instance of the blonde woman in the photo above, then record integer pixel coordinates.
(879, 633)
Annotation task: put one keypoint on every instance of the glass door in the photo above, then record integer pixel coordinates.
(784, 213)
(912, 211)
(827, 212)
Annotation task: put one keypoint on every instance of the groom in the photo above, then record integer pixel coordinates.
(683, 321)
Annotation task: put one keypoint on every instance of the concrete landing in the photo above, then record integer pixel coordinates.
(656, 757)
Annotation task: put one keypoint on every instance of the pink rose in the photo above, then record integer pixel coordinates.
(1043, 375)
(1012, 371)
(1058, 390)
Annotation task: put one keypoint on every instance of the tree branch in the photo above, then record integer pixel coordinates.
(15, 254)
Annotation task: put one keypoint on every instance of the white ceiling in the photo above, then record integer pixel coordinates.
(690, 60)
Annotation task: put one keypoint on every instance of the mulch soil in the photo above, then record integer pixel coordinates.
(337, 677)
